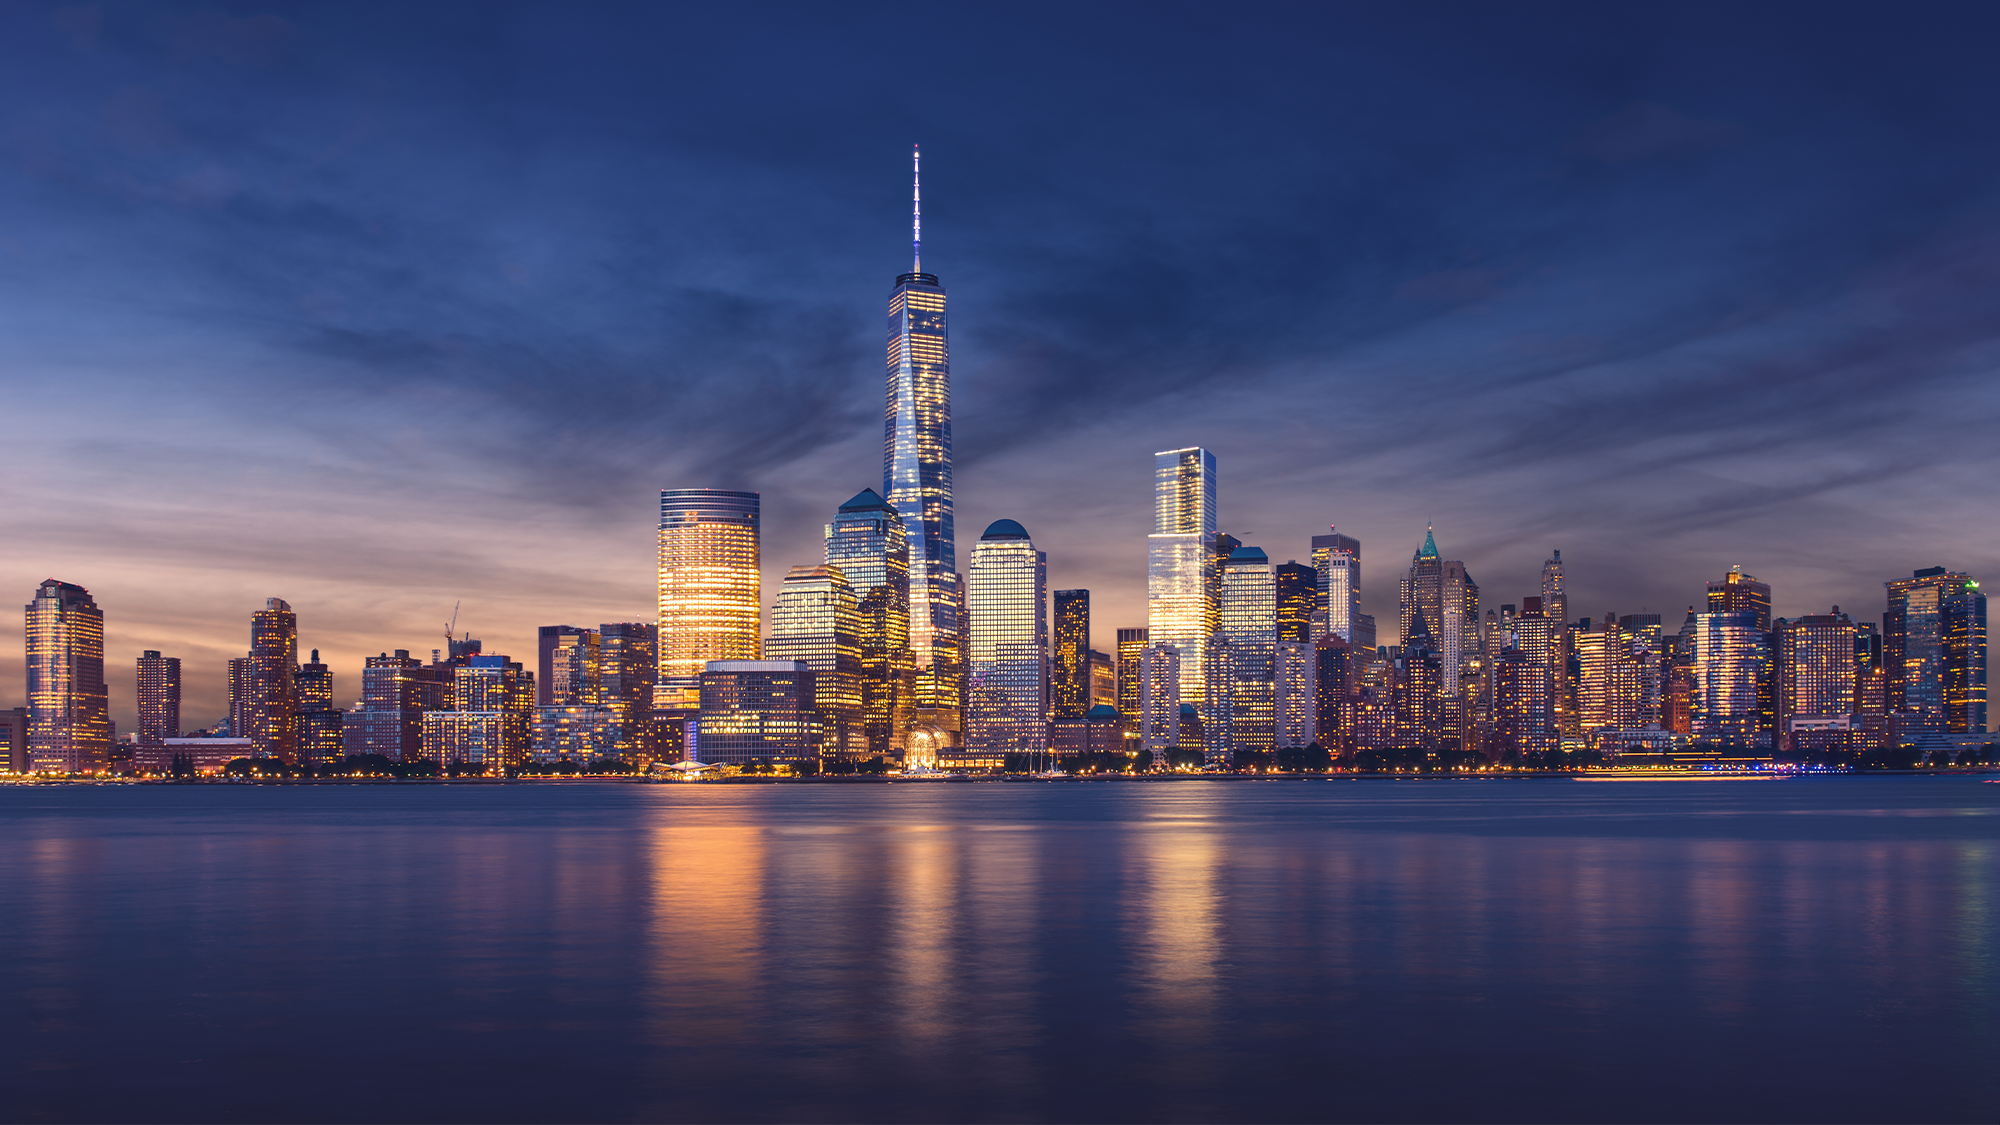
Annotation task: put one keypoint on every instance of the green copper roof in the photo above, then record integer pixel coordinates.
(1430, 550)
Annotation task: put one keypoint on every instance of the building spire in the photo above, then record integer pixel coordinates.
(916, 209)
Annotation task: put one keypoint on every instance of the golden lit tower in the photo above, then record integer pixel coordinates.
(916, 478)
(1934, 648)
(271, 695)
(1069, 674)
(69, 725)
(815, 623)
(709, 608)
(866, 540)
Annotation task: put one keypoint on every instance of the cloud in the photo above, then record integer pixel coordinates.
(1650, 131)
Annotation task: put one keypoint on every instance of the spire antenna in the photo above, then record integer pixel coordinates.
(916, 209)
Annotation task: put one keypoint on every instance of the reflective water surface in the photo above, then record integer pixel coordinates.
(1186, 950)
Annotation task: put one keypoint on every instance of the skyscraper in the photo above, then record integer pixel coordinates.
(1816, 669)
(815, 623)
(1934, 648)
(573, 661)
(629, 665)
(709, 594)
(1069, 672)
(159, 697)
(1447, 599)
(1131, 649)
(69, 724)
(1298, 597)
(1006, 601)
(1248, 613)
(1160, 701)
(546, 639)
(396, 691)
(916, 475)
(1741, 593)
(1337, 560)
(487, 726)
(867, 541)
(1180, 563)
(271, 702)
(319, 721)
(1731, 672)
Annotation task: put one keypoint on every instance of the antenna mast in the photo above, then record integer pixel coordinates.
(916, 209)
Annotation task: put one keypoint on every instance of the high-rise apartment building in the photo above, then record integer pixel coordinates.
(1615, 668)
(1180, 563)
(1295, 693)
(1248, 614)
(1336, 560)
(1159, 701)
(319, 721)
(1815, 670)
(917, 480)
(629, 666)
(574, 662)
(1131, 650)
(1103, 681)
(1934, 648)
(492, 712)
(1069, 657)
(547, 638)
(271, 702)
(867, 541)
(69, 721)
(1006, 602)
(815, 622)
(159, 697)
(709, 595)
(396, 691)
(1730, 691)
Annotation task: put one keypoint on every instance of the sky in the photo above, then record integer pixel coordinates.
(386, 309)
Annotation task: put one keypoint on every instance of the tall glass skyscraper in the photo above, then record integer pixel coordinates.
(709, 585)
(1069, 677)
(1180, 562)
(916, 476)
(866, 540)
(1337, 558)
(69, 723)
(1934, 648)
(1249, 624)
(815, 623)
(1732, 662)
(1007, 602)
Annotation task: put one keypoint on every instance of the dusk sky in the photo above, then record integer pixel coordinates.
(382, 308)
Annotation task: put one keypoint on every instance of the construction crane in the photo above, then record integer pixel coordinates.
(450, 627)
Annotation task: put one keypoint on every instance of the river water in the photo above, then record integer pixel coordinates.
(1213, 950)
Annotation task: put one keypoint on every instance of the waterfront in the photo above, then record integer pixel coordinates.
(1803, 949)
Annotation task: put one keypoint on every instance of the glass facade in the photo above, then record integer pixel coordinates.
(1248, 612)
(69, 721)
(628, 666)
(815, 622)
(917, 483)
(709, 584)
(1160, 701)
(575, 669)
(1816, 668)
(1934, 648)
(867, 541)
(1180, 562)
(1006, 602)
(1741, 593)
(1731, 667)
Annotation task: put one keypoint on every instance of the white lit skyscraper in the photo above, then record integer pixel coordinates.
(1180, 562)
(1007, 603)
(916, 477)
(1248, 616)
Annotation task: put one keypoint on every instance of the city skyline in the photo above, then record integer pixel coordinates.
(512, 466)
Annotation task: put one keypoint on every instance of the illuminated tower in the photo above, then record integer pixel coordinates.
(1731, 675)
(1007, 600)
(271, 695)
(1131, 647)
(815, 623)
(916, 476)
(1337, 558)
(1248, 613)
(1741, 593)
(1180, 562)
(69, 725)
(1069, 675)
(1934, 648)
(708, 579)
(159, 697)
(866, 540)
(1816, 669)
(319, 721)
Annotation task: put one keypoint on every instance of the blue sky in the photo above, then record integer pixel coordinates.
(381, 308)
